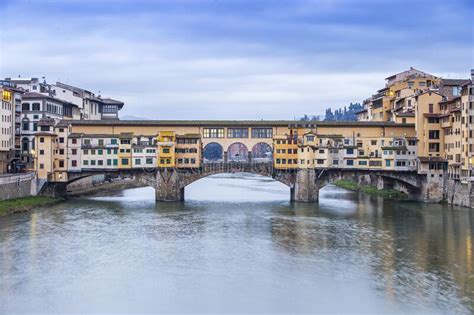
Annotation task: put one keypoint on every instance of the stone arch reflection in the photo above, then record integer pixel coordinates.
(213, 152)
(237, 152)
(262, 152)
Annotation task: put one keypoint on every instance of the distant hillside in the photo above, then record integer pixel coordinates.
(340, 114)
(343, 114)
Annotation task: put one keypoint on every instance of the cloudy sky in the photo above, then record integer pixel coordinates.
(233, 59)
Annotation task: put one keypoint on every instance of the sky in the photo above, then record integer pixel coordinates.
(233, 59)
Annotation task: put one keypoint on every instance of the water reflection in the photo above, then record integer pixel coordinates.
(238, 245)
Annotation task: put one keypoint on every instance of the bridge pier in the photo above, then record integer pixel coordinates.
(305, 188)
(168, 186)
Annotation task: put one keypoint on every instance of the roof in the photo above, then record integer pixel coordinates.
(189, 135)
(401, 148)
(431, 159)
(361, 111)
(454, 82)
(43, 133)
(406, 114)
(406, 71)
(108, 101)
(452, 100)
(224, 123)
(46, 122)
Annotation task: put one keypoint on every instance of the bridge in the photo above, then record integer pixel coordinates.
(304, 184)
(169, 155)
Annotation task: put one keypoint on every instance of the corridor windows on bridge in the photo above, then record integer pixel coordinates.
(262, 152)
(262, 133)
(213, 152)
(237, 152)
(213, 133)
(237, 132)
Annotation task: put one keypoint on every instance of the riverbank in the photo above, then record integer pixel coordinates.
(25, 204)
(384, 193)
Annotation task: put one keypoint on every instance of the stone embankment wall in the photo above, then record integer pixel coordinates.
(460, 194)
(17, 185)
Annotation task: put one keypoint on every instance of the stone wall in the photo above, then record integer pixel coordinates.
(17, 186)
(460, 194)
(87, 182)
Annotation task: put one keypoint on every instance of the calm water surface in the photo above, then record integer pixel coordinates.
(238, 245)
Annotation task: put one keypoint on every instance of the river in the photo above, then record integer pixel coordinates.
(238, 245)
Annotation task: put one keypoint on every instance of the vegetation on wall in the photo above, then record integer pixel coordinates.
(385, 193)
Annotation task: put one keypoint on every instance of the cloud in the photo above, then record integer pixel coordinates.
(232, 59)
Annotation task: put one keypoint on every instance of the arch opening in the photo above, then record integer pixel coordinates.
(237, 187)
(262, 153)
(213, 152)
(237, 152)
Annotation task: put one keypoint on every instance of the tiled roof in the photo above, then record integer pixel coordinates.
(223, 123)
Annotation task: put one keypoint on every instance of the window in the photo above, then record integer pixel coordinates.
(363, 163)
(124, 161)
(74, 141)
(335, 162)
(456, 90)
(350, 151)
(100, 152)
(61, 163)
(61, 140)
(350, 162)
(100, 162)
(35, 106)
(388, 163)
(109, 162)
(92, 162)
(35, 126)
(213, 132)
(319, 161)
(166, 150)
(433, 147)
(41, 152)
(25, 106)
(41, 166)
(85, 162)
(430, 108)
(74, 163)
(41, 139)
(61, 151)
(149, 161)
(113, 141)
(262, 132)
(115, 162)
(310, 138)
(125, 141)
(87, 141)
(237, 133)
(101, 142)
(25, 125)
(433, 134)
(373, 142)
(138, 161)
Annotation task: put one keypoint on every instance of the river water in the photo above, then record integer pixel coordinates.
(238, 245)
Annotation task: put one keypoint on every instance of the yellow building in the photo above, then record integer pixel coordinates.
(188, 151)
(166, 149)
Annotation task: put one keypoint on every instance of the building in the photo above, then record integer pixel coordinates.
(35, 100)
